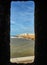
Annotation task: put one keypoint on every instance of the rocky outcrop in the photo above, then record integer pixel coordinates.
(25, 35)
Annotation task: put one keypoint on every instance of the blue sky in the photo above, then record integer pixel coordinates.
(21, 17)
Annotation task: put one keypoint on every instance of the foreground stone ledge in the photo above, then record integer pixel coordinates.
(28, 59)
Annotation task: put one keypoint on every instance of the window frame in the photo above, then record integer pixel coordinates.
(34, 28)
(40, 46)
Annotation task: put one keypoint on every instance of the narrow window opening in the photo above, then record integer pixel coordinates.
(22, 34)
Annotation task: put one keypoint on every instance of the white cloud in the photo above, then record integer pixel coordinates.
(12, 22)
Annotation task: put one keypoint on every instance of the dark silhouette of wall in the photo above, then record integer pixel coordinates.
(4, 32)
(40, 33)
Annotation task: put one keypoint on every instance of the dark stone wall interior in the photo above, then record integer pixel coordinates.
(4, 32)
(40, 33)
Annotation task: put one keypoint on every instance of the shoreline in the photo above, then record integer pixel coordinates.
(22, 38)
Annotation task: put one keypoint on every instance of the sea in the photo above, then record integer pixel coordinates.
(21, 47)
